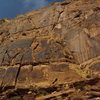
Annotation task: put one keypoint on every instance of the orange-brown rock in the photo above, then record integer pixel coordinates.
(49, 48)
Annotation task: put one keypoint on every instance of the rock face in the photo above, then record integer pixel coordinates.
(58, 44)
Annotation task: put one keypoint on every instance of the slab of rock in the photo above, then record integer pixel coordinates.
(54, 45)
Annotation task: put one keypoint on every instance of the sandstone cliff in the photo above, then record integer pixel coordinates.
(55, 50)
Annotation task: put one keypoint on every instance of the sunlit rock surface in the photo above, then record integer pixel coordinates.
(53, 49)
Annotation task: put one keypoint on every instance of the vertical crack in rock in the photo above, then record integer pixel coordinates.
(16, 78)
(57, 20)
(36, 46)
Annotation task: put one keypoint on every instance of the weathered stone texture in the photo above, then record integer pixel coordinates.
(54, 45)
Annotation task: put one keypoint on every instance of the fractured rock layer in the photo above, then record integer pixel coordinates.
(54, 45)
